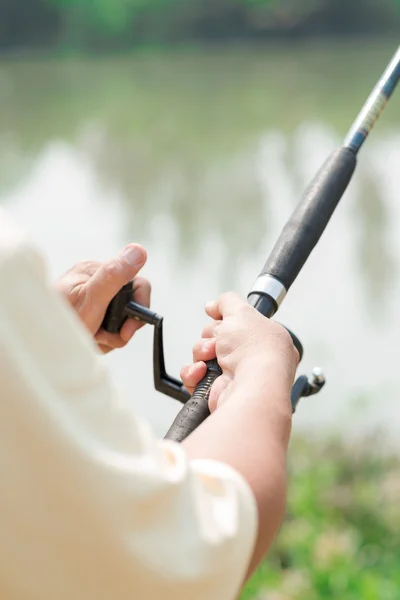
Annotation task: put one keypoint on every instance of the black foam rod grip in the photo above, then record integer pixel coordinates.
(306, 225)
(196, 408)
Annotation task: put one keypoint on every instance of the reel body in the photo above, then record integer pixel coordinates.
(123, 307)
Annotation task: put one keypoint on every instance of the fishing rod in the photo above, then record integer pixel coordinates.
(295, 244)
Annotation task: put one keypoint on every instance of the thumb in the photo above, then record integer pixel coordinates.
(113, 274)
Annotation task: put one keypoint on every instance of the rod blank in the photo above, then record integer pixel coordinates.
(374, 106)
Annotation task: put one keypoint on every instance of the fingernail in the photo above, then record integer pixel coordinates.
(134, 255)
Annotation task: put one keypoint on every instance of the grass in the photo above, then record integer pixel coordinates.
(341, 535)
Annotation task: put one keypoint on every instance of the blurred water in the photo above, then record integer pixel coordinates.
(202, 157)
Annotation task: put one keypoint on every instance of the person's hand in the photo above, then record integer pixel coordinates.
(90, 286)
(250, 430)
(249, 348)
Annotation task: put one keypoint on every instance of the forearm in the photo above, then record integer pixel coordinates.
(250, 432)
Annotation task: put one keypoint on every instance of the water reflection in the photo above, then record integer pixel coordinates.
(199, 196)
(374, 257)
(205, 178)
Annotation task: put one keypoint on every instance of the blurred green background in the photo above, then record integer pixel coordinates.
(192, 126)
(116, 24)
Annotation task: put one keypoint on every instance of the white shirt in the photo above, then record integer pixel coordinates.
(92, 505)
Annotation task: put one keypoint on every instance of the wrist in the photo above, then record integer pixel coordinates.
(264, 398)
(262, 374)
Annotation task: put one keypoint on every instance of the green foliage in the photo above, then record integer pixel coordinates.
(83, 24)
(114, 16)
(341, 537)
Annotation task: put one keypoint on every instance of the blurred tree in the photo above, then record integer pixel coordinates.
(117, 23)
(24, 23)
(110, 15)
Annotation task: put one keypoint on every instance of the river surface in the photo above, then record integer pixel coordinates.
(201, 157)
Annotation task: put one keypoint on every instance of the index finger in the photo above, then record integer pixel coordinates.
(226, 305)
(141, 291)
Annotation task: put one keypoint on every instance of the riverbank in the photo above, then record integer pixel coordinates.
(340, 538)
(196, 48)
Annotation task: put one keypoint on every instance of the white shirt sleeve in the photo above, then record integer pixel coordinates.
(92, 505)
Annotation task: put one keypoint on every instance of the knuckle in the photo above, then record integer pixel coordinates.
(284, 339)
(111, 270)
(227, 297)
(210, 329)
(85, 267)
(231, 329)
(281, 333)
(226, 361)
(245, 310)
(198, 351)
(79, 299)
(285, 335)
(224, 298)
(197, 346)
(89, 265)
(206, 331)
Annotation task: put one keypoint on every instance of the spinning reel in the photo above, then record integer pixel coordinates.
(123, 307)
